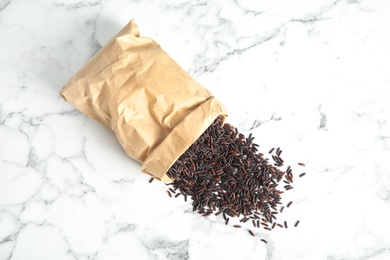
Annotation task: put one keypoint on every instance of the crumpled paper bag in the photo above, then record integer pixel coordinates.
(154, 107)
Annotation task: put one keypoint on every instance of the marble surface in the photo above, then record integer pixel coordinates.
(309, 76)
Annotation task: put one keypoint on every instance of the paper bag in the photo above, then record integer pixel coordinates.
(154, 107)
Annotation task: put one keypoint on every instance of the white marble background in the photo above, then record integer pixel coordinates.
(312, 77)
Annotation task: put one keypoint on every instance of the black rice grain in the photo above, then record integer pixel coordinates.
(223, 172)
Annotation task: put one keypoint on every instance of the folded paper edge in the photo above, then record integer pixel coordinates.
(174, 145)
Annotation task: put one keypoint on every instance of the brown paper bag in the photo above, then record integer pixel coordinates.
(154, 107)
